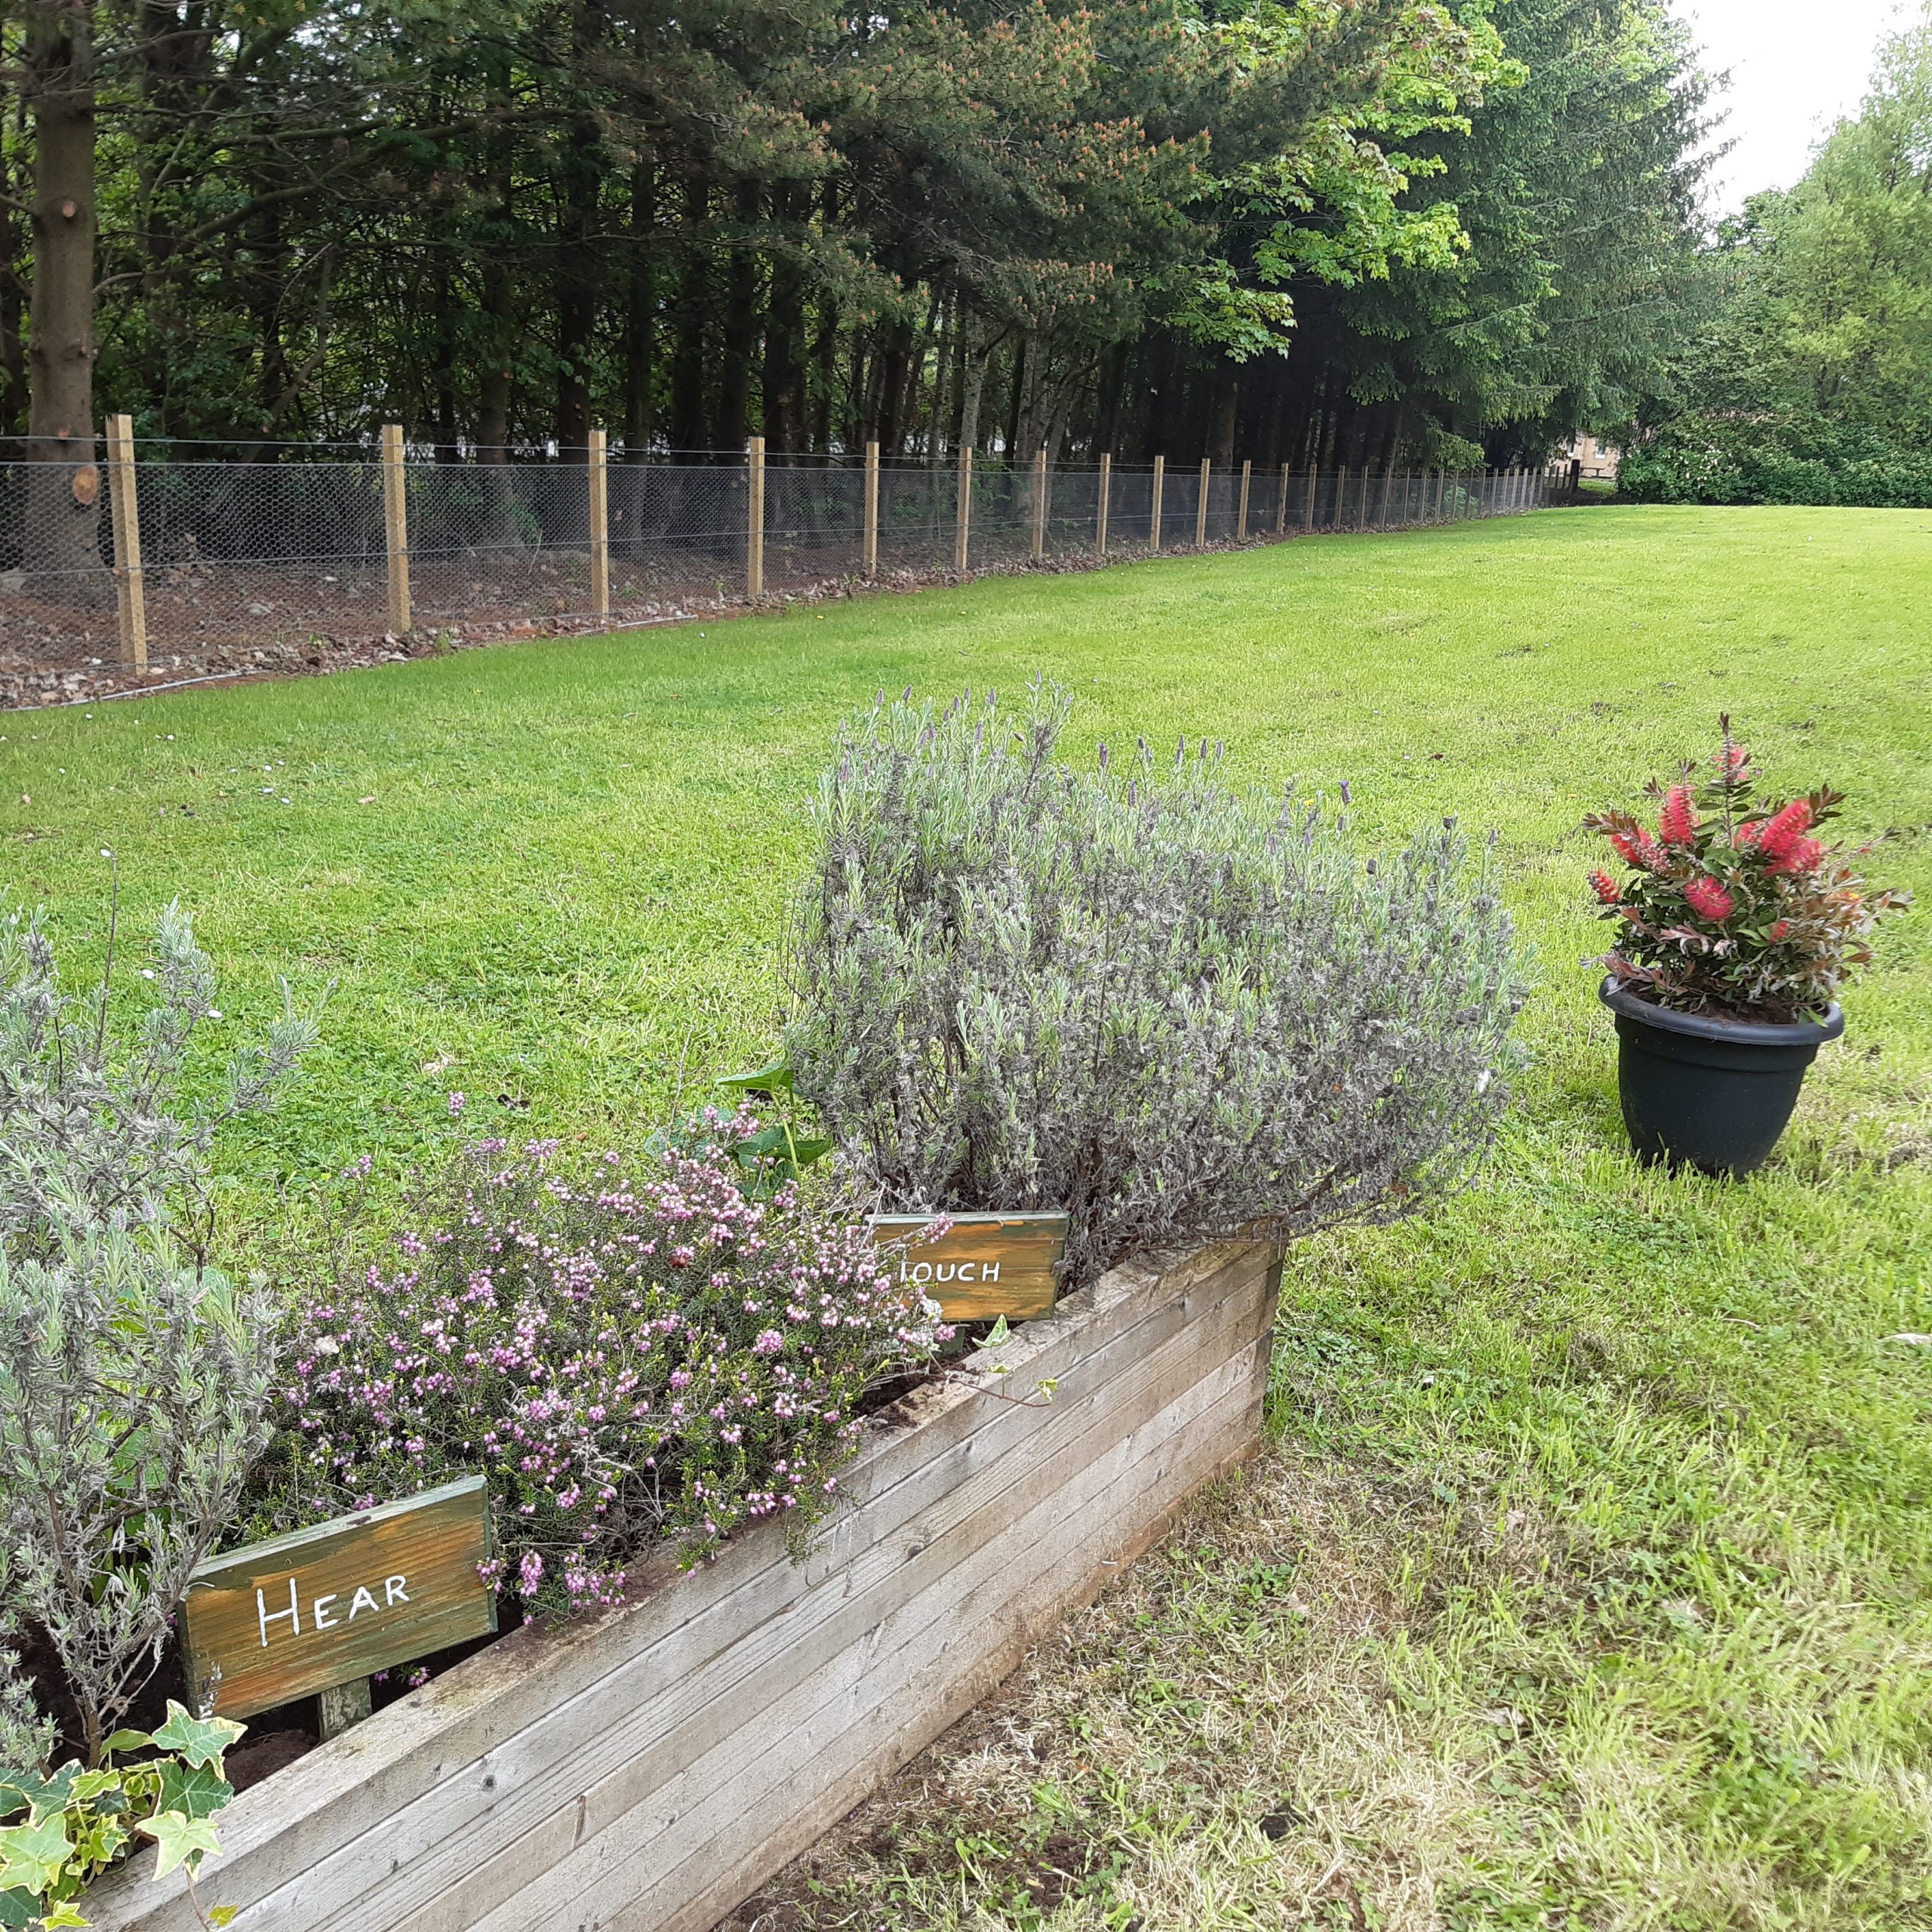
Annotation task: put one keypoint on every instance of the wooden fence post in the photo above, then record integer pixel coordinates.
(870, 564)
(1201, 508)
(1241, 516)
(1281, 508)
(1160, 476)
(1335, 516)
(1039, 502)
(1313, 489)
(130, 594)
(754, 519)
(396, 526)
(962, 527)
(600, 529)
(1388, 484)
(1106, 486)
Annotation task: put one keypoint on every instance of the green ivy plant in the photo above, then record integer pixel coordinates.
(69, 1827)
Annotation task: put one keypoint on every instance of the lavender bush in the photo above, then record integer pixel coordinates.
(133, 1378)
(629, 1355)
(1175, 1011)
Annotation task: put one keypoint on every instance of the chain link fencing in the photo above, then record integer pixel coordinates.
(125, 564)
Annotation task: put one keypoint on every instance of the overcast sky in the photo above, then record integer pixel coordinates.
(1796, 66)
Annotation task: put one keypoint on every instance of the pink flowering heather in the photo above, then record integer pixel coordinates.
(1732, 907)
(629, 1354)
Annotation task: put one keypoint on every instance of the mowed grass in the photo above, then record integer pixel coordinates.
(1583, 1584)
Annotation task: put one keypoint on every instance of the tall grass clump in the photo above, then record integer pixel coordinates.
(1177, 1010)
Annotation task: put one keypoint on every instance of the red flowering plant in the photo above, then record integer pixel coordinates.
(1732, 905)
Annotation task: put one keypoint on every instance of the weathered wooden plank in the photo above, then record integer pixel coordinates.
(496, 1779)
(1034, 1483)
(884, 1724)
(771, 1763)
(303, 1613)
(984, 1265)
(852, 1778)
(336, 1832)
(276, 1835)
(629, 1718)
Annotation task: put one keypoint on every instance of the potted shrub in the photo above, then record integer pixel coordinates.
(1737, 925)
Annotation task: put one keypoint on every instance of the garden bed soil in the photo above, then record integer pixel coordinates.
(651, 1767)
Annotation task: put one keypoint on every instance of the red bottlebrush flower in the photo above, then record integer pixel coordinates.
(1779, 931)
(1605, 887)
(1803, 854)
(1708, 900)
(1679, 818)
(1643, 852)
(1732, 760)
(1780, 836)
(1748, 835)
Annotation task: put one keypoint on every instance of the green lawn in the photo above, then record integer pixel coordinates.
(1585, 1583)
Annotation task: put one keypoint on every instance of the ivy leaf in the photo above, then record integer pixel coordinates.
(18, 1908)
(179, 1839)
(200, 1740)
(222, 1915)
(198, 1790)
(999, 1332)
(34, 1855)
(127, 1740)
(61, 1915)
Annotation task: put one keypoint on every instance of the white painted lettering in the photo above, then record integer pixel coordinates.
(989, 1271)
(318, 1613)
(923, 1272)
(360, 1601)
(393, 1591)
(264, 1617)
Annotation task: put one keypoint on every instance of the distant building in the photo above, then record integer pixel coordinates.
(1599, 458)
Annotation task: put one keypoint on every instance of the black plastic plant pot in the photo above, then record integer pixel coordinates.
(1708, 1092)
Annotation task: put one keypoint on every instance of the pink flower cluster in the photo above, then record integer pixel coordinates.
(628, 1356)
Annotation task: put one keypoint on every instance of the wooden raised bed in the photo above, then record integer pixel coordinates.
(650, 1768)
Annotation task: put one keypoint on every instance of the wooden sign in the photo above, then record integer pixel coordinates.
(985, 1265)
(318, 1608)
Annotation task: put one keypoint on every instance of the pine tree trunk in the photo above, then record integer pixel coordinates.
(641, 316)
(579, 260)
(13, 241)
(741, 324)
(687, 428)
(62, 520)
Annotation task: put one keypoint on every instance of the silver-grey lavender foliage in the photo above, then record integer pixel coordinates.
(133, 1378)
(1176, 1010)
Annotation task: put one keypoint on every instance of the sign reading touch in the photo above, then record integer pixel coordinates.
(984, 1264)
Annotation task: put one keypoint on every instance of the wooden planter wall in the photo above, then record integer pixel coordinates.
(650, 1768)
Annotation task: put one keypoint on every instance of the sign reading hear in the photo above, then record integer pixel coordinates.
(320, 1607)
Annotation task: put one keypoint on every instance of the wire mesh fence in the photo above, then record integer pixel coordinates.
(125, 564)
